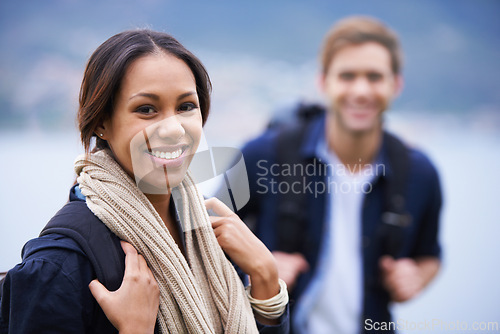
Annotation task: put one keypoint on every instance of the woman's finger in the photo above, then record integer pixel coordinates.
(217, 221)
(218, 207)
(142, 263)
(146, 271)
(131, 257)
(98, 290)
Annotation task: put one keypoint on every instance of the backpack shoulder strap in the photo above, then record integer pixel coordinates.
(101, 246)
(399, 159)
(292, 218)
(395, 216)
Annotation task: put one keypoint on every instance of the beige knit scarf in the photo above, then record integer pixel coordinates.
(203, 295)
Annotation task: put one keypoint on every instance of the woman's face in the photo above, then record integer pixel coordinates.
(156, 124)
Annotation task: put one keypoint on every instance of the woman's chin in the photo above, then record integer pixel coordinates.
(159, 182)
(154, 175)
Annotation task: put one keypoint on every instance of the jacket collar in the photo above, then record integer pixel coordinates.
(315, 136)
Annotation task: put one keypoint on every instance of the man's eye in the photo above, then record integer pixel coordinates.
(187, 107)
(347, 76)
(146, 110)
(374, 77)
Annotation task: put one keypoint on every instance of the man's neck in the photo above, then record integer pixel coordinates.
(354, 149)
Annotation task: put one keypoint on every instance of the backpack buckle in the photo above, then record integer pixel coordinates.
(396, 219)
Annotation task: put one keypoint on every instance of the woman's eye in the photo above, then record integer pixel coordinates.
(146, 110)
(187, 107)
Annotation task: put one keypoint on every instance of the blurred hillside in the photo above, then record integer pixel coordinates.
(260, 54)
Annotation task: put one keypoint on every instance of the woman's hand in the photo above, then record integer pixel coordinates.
(134, 306)
(245, 249)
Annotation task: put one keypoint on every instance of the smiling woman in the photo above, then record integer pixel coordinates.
(145, 99)
(157, 122)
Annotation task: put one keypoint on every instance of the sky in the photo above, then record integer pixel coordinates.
(261, 55)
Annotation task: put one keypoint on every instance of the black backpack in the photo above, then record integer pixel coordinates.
(292, 218)
(101, 246)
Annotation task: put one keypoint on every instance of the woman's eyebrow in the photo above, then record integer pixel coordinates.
(180, 97)
(156, 97)
(149, 95)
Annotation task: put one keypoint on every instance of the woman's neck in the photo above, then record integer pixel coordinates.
(161, 203)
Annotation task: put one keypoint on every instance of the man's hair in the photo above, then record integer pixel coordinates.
(356, 30)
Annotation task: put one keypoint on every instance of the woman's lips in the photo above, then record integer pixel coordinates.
(169, 157)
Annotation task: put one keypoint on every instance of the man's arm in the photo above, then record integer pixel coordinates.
(405, 278)
(290, 266)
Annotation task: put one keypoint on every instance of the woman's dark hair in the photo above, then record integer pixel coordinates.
(106, 69)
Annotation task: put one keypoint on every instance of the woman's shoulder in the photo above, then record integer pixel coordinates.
(100, 245)
(51, 243)
(53, 279)
(53, 255)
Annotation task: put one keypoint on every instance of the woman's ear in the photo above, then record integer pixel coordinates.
(100, 131)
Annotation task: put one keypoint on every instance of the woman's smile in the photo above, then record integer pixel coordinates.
(169, 156)
(157, 123)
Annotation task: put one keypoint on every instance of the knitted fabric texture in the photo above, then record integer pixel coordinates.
(202, 296)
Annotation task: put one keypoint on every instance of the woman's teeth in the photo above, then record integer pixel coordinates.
(167, 155)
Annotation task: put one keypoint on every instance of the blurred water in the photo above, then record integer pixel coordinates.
(467, 156)
(37, 172)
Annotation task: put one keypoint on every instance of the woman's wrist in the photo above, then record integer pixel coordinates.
(270, 309)
(264, 280)
(136, 328)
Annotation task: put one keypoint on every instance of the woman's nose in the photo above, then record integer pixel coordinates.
(170, 128)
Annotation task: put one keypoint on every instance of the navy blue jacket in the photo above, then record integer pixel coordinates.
(423, 198)
(48, 292)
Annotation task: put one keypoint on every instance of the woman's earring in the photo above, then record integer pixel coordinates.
(101, 134)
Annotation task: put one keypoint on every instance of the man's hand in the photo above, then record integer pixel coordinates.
(290, 266)
(134, 306)
(405, 278)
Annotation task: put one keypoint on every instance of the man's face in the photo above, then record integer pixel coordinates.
(360, 85)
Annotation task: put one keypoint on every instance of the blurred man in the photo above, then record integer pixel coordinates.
(350, 212)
